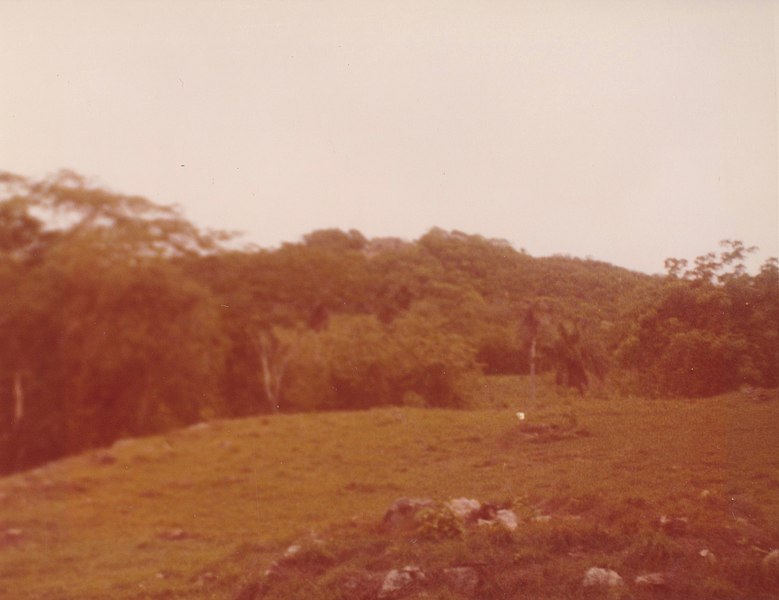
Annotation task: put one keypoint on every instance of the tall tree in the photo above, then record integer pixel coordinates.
(109, 336)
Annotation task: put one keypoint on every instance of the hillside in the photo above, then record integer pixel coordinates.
(120, 318)
(203, 512)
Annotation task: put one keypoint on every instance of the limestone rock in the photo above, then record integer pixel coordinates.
(205, 578)
(174, 535)
(361, 586)
(770, 562)
(596, 576)
(651, 580)
(399, 580)
(507, 518)
(542, 518)
(13, 535)
(401, 514)
(673, 525)
(464, 508)
(202, 426)
(104, 458)
(708, 555)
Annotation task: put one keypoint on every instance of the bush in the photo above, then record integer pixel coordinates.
(438, 523)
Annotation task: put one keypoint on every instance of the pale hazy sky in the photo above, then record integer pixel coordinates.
(628, 131)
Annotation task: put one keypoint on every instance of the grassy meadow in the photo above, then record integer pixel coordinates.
(203, 512)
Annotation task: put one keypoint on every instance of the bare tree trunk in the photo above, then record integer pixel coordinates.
(18, 393)
(270, 389)
(273, 360)
(533, 369)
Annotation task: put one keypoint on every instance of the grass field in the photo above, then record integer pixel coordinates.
(202, 512)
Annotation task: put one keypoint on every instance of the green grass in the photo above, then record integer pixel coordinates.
(243, 490)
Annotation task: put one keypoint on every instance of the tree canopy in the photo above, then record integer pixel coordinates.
(119, 317)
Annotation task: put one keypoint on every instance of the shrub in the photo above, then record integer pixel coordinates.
(438, 523)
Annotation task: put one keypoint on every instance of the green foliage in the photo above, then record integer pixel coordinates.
(244, 490)
(107, 336)
(358, 362)
(711, 329)
(119, 317)
(438, 523)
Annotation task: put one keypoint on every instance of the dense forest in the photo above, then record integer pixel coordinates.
(120, 318)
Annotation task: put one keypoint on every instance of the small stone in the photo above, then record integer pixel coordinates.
(104, 458)
(174, 535)
(673, 525)
(708, 555)
(595, 576)
(542, 518)
(123, 443)
(507, 518)
(273, 569)
(202, 426)
(651, 580)
(13, 534)
(399, 580)
(293, 550)
(205, 578)
(770, 561)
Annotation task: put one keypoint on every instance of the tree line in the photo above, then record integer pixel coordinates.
(120, 318)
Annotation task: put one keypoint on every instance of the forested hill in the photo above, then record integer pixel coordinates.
(120, 318)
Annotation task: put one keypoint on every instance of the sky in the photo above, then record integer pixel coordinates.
(626, 131)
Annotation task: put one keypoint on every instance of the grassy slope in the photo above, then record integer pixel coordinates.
(248, 487)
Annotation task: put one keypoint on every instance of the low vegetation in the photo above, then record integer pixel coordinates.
(179, 419)
(621, 483)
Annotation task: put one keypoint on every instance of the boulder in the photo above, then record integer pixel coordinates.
(507, 518)
(398, 581)
(596, 576)
(401, 514)
(464, 508)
